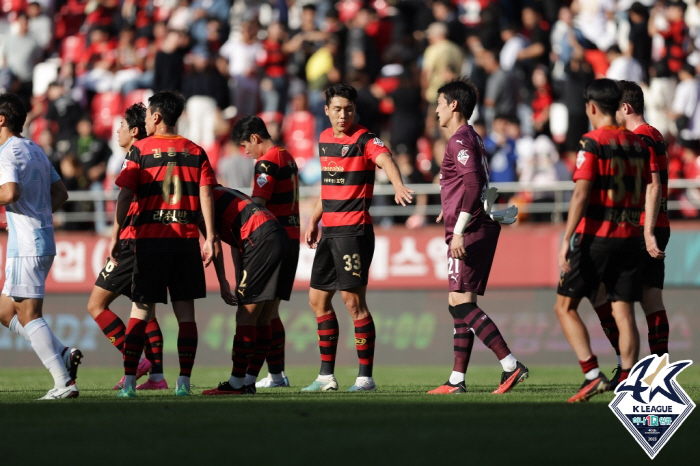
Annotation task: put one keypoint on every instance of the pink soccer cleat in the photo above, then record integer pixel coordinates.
(152, 385)
(143, 369)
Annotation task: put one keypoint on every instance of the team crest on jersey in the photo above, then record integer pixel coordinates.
(262, 180)
(650, 403)
(378, 142)
(345, 150)
(463, 156)
(580, 158)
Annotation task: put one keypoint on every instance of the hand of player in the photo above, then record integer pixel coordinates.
(311, 235)
(226, 294)
(439, 219)
(403, 195)
(207, 252)
(562, 257)
(653, 248)
(457, 247)
(115, 250)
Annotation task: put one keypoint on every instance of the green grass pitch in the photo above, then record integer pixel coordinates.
(397, 425)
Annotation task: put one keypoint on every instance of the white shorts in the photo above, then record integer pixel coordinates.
(25, 277)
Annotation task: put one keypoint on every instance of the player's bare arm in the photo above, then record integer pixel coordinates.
(260, 200)
(312, 232)
(59, 195)
(651, 214)
(224, 286)
(122, 208)
(9, 193)
(577, 206)
(403, 194)
(207, 203)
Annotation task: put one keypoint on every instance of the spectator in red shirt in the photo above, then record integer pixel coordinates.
(273, 61)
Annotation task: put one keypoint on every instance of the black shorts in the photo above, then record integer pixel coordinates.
(117, 277)
(261, 268)
(289, 270)
(613, 262)
(653, 270)
(157, 271)
(342, 263)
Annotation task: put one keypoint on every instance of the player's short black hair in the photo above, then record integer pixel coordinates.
(341, 90)
(248, 126)
(135, 117)
(169, 104)
(12, 108)
(464, 91)
(605, 93)
(633, 95)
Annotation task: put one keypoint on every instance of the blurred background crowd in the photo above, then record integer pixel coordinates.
(77, 64)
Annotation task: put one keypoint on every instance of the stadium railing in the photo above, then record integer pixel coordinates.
(557, 206)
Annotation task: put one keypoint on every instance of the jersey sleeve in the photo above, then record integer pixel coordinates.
(206, 176)
(374, 147)
(587, 160)
(54, 175)
(130, 175)
(8, 170)
(266, 173)
(465, 155)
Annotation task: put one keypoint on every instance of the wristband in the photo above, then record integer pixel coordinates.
(462, 222)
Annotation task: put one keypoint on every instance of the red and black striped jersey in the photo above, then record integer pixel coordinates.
(277, 181)
(617, 163)
(165, 173)
(128, 231)
(658, 162)
(238, 219)
(348, 165)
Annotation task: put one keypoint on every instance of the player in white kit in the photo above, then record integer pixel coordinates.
(31, 190)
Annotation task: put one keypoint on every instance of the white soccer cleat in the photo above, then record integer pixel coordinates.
(267, 382)
(323, 383)
(363, 384)
(57, 393)
(507, 216)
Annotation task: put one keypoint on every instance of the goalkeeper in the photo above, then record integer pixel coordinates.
(471, 232)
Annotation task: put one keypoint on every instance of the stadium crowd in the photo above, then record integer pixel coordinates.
(78, 64)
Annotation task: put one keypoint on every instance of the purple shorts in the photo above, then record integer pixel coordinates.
(472, 273)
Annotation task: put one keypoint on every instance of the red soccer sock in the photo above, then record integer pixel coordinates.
(243, 349)
(113, 328)
(589, 364)
(154, 346)
(263, 341)
(658, 332)
(187, 340)
(275, 358)
(133, 345)
(607, 321)
(327, 342)
(364, 342)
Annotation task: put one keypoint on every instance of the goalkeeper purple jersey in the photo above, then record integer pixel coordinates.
(464, 177)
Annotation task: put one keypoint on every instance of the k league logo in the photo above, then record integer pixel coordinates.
(651, 404)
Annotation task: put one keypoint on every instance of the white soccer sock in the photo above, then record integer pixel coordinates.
(40, 337)
(183, 380)
(619, 360)
(249, 379)
(456, 377)
(363, 380)
(277, 377)
(236, 382)
(129, 381)
(16, 327)
(325, 378)
(156, 377)
(509, 363)
(593, 373)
